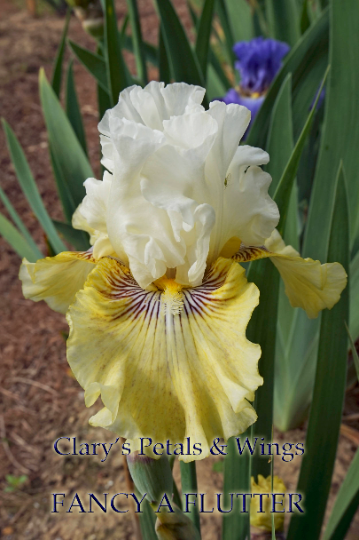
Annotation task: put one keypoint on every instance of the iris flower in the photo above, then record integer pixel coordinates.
(158, 307)
(259, 61)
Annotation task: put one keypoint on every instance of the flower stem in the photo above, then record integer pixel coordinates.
(189, 485)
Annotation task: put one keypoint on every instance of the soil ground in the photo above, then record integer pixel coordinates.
(39, 399)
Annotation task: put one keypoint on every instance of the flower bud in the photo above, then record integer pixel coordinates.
(175, 526)
(151, 476)
(260, 514)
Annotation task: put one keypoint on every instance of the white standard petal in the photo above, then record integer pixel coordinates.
(94, 205)
(232, 121)
(91, 216)
(155, 195)
(153, 104)
(129, 145)
(181, 187)
(254, 213)
(182, 98)
(245, 210)
(173, 180)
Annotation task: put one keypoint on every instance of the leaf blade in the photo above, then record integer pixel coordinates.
(189, 485)
(20, 225)
(138, 48)
(16, 240)
(283, 20)
(92, 62)
(57, 73)
(204, 35)
(73, 109)
(70, 158)
(237, 479)
(29, 187)
(178, 47)
(116, 73)
(284, 188)
(346, 504)
(329, 388)
(341, 117)
(75, 237)
(240, 19)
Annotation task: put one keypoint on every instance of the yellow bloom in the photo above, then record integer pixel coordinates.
(158, 307)
(155, 362)
(261, 517)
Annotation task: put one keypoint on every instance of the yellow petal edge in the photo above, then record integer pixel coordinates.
(170, 363)
(56, 279)
(308, 284)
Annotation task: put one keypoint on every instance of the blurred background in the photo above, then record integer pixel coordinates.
(39, 399)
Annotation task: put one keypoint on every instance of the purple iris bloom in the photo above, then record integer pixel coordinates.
(259, 61)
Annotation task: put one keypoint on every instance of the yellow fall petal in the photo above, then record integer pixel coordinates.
(56, 279)
(169, 363)
(263, 520)
(308, 284)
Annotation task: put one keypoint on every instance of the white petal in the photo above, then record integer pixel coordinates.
(102, 248)
(153, 104)
(94, 206)
(123, 109)
(91, 216)
(181, 186)
(254, 213)
(131, 144)
(232, 121)
(191, 131)
(80, 223)
(175, 183)
(249, 155)
(247, 213)
(182, 98)
(144, 232)
(149, 104)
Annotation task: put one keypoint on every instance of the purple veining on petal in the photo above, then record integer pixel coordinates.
(259, 60)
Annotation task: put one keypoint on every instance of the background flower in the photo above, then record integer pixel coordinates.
(259, 61)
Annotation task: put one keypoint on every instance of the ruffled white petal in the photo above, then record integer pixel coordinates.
(232, 121)
(153, 104)
(94, 206)
(181, 187)
(246, 211)
(250, 213)
(91, 216)
(184, 185)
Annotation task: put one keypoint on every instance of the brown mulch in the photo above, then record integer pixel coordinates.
(39, 400)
